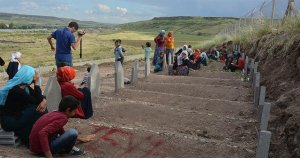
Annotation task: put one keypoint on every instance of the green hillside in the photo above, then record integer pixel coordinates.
(36, 21)
(202, 26)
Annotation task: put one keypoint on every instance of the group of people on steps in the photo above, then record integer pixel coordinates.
(186, 58)
(23, 107)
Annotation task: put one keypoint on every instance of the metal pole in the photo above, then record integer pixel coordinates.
(273, 11)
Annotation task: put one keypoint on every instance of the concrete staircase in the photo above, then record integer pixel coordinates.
(208, 114)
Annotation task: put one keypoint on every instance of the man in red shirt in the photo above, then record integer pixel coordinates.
(48, 136)
(239, 64)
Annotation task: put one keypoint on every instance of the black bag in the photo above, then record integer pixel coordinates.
(2, 63)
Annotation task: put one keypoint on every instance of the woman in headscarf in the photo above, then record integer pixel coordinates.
(182, 64)
(64, 76)
(195, 62)
(20, 104)
(14, 64)
(169, 41)
(160, 45)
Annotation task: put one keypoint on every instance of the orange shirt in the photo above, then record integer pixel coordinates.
(169, 41)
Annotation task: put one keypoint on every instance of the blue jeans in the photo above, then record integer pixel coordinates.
(64, 143)
(63, 63)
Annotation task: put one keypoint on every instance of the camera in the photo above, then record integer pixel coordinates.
(81, 33)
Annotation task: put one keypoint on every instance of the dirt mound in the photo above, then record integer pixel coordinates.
(279, 64)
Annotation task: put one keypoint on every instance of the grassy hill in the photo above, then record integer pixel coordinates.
(37, 21)
(202, 26)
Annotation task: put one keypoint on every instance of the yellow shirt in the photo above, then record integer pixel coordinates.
(169, 41)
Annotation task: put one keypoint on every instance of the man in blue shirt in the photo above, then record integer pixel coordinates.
(64, 41)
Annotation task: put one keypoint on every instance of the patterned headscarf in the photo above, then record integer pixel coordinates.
(65, 74)
(23, 76)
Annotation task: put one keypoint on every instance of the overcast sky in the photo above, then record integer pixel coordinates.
(122, 11)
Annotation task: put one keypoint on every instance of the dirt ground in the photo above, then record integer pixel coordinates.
(278, 55)
(208, 114)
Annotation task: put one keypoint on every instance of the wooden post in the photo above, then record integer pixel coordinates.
(80, 55)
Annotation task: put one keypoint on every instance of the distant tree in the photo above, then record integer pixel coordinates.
(3, 26)
(11, 25)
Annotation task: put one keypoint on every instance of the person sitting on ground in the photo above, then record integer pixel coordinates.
(147, 50)
(20, 104)
(2, 62)
(215, 54)
(64, 76)
(14, 64)
(182, 64)
(195, 62)
(85, 79)
(223, 54)
(184, 48)
(189, 50)
(228, 61)
(159, 62)
(48, 136)
(239, 65)
(204, 58)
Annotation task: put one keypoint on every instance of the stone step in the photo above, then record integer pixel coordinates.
(229, 109)
(196, 90)
(115, 140)
(194, 80)
(219, 75)
(196, 124)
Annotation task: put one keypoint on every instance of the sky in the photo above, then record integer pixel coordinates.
(123, 11)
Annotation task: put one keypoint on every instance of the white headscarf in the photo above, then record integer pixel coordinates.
(179, 58)
(14, 56)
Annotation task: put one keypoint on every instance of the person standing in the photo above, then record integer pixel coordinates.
(119, 56)
(65, 39)
(169, 41)
(160, 45)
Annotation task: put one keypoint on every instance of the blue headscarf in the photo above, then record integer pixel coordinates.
(23, 76)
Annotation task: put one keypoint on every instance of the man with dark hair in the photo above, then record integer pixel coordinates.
(64, 41)
(48, 136)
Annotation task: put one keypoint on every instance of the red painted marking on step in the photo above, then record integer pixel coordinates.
(131, 148)
(98, 128)
(107, 137)
(152, 150)
(116, 131)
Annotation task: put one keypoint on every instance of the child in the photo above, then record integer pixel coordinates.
(119, 56)
(14, 65)
(86, 77)
(159, 62)
(48, 136)
(148, 50)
